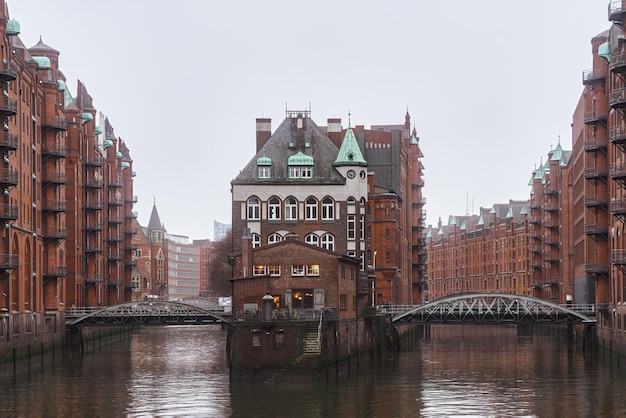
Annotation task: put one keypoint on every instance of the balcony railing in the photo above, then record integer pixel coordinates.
(618, 257)
(8, 106)
(55, 150)
(617, 97)
(8, 177)
(595, 229)
(93, 183)
(618, 170)
(94, 278)
(618, 207)
(54, 205)
(93, 160)
(55, 271)
(596, 268)
(616, 11)
(115, 183)
(9, 261)
(54, 122)
(8, 141)
(54, 232)
(591, 201)
(93, 226)
(591, 75)
(594, 172)
(8, 212)
(54, 177)
(617, 135)
(8, 72)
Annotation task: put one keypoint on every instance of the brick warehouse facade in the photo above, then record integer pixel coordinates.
(67, 196)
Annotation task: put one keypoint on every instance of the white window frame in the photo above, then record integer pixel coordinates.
(351, 227)
(294, 172)
(264, 171)
(306, 172)
(274, 238)
(273, 271)
(312, 239)
(311, 209)
(259, 270)
(313, 270)
(273, 209)
(328, 209)
(256, 240)
(327, 242)
(254, 208)
(297, 270)
(291, 209)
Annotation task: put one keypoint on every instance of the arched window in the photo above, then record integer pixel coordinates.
(256, 240)
(312, 239)
(254, 208)
(328, 212)
(311, 209)
(274, 209)
(274, 238)
(328, 242)
(291, 209)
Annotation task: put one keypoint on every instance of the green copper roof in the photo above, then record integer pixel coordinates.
(493, 209)
(481, 221)
(43, 63)
(264, 161)
(557, 154)
(539, 172)
(349, 153)
(134, 174)
(463, 226)
(62, 85)
(125, 165)
(108, 143)
(509, 214)
(300, 159)
(414, 140)
(429, 234)
(604, 50)
(13, 27)
(86, 117)
(98, 129)
(118, 155)
(524, 210)
(452, 220)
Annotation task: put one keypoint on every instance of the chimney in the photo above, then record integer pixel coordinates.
(246, 253)
(333, 130)
(263, 132)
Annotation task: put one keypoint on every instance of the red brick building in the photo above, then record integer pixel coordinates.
(300, 185)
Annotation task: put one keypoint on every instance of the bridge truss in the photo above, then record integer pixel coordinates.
(149, 312)
(491, 308)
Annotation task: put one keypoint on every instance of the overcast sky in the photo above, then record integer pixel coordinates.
(490, 85)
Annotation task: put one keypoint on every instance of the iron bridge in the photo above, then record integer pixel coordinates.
(491, 308)
(149, 313)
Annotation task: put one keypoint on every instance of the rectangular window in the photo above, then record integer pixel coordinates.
(264, 172)
(362, 227)
(297, 270)
(343, 302)
(274, 270)
(306, 172)
(259, 270)
(294, 172)
(138, 253)
(351, 227)
(313, 270)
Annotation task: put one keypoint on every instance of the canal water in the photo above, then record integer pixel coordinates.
(457, 371)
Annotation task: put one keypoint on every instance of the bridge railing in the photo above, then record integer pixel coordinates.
(584, 308)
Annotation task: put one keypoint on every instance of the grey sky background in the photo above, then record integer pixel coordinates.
(490, 85)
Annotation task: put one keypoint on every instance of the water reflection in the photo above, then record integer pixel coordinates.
(458, 371)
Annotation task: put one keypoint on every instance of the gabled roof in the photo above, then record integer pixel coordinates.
(155, 221)
(283, 144)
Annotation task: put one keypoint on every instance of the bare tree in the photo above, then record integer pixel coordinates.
(220, 270)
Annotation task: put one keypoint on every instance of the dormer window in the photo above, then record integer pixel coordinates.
(300, 166)
(264, 167)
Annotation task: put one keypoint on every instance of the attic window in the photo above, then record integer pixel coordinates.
(350, 156)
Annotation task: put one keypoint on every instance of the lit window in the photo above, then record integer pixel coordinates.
(254, 206)
(311, 209)
(291, 209)
(328, 242)
(312, 239)
(327, 209)
(297, 270)
(274, 238)
(274, 270)
(313, 270)
(260, 270)
(273, 209)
